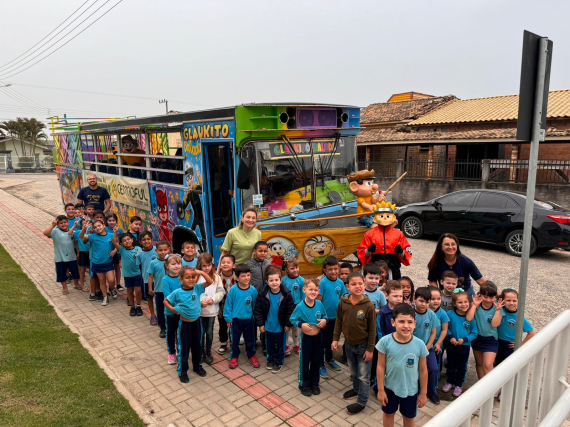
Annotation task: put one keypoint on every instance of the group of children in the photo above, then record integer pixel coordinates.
(395, 336)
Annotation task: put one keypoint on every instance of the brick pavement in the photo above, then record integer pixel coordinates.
(132, 354)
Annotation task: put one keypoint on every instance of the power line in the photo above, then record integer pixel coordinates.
(20, 98)
(48, 111)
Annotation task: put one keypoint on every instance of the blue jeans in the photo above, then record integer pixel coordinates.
(359, 370)
(208, 333)
(275, 342)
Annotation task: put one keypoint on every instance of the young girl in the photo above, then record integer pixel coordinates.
(408, 290)
(131, 271)
(144, 258)
(461, 333)
(171, 282)
(83, 250)
(228, 277)
(487, 314)
(508, 325)
(384, 273)
(111, 222)
(441, 331)
(211, 297)
(294, 282)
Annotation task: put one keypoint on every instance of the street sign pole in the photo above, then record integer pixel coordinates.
(538, 134)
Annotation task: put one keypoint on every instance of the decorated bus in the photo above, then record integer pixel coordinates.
(192, 174)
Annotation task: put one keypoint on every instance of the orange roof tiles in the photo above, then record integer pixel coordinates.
(383, 112)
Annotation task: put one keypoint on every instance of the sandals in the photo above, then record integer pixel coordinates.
(65, 291)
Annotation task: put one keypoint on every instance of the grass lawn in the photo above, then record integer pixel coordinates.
(47, 378)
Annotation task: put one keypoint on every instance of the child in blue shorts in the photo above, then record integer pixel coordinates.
(144, 257)
(83, 260)
(131, 272)
(294, 282)
(64, 252)
(401, 362)
(111, 221)
(156, 273)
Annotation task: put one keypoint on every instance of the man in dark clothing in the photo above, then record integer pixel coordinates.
(95, 195)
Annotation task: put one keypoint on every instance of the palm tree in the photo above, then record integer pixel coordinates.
(15, 130)
(34, 132)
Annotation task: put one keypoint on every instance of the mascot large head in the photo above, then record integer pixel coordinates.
(129, 144)
(384, 213)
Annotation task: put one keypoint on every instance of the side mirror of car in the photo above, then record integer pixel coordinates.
(243, 175)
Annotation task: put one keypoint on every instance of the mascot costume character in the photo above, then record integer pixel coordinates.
(385, 242)
(363, 187)
(129, 145)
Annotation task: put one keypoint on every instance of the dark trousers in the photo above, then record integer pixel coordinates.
(374, 366)
(223, 331)
(159, 306)
(275, 344)
(328, 339)
(208, 333)
(503, 352)
(247, 328)
(433, 373)
(457, 358)
(189, 338)
(359, 371)
(172, 321)
(310, 359)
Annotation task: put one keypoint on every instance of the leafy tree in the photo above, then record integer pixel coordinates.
(34, 132)
(25, 130)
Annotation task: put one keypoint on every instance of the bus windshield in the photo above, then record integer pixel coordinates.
(297, 175)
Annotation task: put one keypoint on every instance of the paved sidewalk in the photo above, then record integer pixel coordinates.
(134, 356)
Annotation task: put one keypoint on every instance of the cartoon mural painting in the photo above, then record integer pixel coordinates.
(192, 198)
(166, 225)
(153, 227)
(318, 248)
(281, 249)
(70, 182)
(125, 213)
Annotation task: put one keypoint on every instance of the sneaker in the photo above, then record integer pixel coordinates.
(354, 408)
(343, 360)
(209, 359)
(133, 311)
(332, 365)
(113, 293)
(254, 362)
(153, 321)
(201, 371)
(269, 365)
(306, 391)
(233, 363)
(349, 395)
(241, 341)
(457, 391)
(276, 368)
(434, 399)
(162, 333)
(287, 351)
(315, 389)
(172, 359)
(223, 348)
(92, 297)
(296, 349)
(323, 373)
(184, 378)
(99, 296)
(120, 287)
(139, 310)
(105, 301)
(447, 388)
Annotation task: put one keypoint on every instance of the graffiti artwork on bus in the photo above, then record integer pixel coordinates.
(70, 182)
(125, 213)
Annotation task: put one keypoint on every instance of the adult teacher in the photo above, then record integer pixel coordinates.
(448, 256)
(240, 240)
(95, 195)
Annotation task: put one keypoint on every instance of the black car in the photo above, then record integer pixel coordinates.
(488, 215)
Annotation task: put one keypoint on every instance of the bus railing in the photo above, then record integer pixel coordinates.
(315, 220)
(548, 402)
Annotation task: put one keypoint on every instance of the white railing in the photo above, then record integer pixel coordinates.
(548, 402)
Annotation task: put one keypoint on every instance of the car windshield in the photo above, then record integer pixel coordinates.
(550, 206)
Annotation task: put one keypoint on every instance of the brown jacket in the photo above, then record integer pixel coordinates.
(356, 322)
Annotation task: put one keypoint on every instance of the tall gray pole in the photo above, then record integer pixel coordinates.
(537, 136)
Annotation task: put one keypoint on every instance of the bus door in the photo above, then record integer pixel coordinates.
(218, 193)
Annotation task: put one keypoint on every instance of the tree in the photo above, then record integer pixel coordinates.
(15, 128)
(34, 132)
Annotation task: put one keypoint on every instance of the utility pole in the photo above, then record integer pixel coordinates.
(164, 101)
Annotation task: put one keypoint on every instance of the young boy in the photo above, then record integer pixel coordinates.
(258, 264)
(90, 210)
(345, 269)
(131, 271)
(294, 282)
(80, 210)
(82, 249)
(449, 282)
(64, 252)
(311, 317)
(238, 312)
(331, 289)
(134, 228)
(441, 331)
(273, 308)
(372, 276)
(70, 213)
(227, 265)
(189, 254)
(155, 274)
(401, 362)
(395, 297)
(143, 259)
(356, 319)
(426, 329)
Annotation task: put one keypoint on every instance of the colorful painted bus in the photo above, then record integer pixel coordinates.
(197, 171)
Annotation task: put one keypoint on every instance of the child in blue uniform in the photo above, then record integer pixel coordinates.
(131, 272)
(82, 250)
(460, 334)
(426, 329)
(144, 257)
(238, 312)
(111, 221)
(64, 252)
(189, 258)
(371, 273)
(294, 282)
(155, 274)
(441, 331)
(310, 316)
(395, 295)
(408, 290)
(331, 289)
(401, 363)
(186, 304)
(171, 282)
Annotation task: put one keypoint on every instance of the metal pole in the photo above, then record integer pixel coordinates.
(537, 136)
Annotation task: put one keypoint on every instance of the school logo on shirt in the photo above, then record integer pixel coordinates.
(410, 360)
(318, 315)
(295, 287)
(193, 296)
(427, 324)
(512, 323)
(360, 314)
(337, 290)
(248, 302)
(466, 325)
(489, 319)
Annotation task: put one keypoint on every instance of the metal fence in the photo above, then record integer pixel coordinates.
(39, 162)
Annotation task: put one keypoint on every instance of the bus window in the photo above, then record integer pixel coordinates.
(332, 170)
(219, 181)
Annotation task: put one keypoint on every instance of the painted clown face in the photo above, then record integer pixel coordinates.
(129, 145)
(384, 218)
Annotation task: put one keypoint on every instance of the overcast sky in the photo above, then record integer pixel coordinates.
(217, 53)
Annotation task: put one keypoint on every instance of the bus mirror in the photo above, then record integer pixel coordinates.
(244, 171)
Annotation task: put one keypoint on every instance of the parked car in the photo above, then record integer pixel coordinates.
(490, 216)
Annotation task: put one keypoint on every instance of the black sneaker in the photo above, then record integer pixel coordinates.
(209, 359)
(99, 296)
(306, 391)
(354, 408)
(92, 297)
(342, 359)
(349, 395)
(120, 287)
(277, 368)
(315, 389)
(133, 311)
(139, 310)
(184, 378)
(201, 371)
(269, 365)
(113, 293)
(162, 333)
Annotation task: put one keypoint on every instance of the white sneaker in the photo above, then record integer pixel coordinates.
(241, 341)
(105, 301)
(113, 293)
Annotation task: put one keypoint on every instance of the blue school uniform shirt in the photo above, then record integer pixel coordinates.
(144, 258)
(169, 285)
(331, 293)
(272, 323)
(189, 263)
(83, 247)
(296, 287)
(443, 318)
(484, 318)
(240, 303)
(508, 325)
(384, 323)
(424, 324)
(129, 262)
(100, 248)
(71, 222)
(402, 364)
(460, 328)
(377, 297)
(63, 246)
(156, 268)
(310, 315)
(119, 232)
(187, 301)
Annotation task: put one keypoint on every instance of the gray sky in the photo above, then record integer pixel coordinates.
(218, 53)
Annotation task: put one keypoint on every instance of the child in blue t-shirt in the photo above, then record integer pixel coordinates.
(64, 252)
(131, 271)
(144, 257)
(171, 282)
(155, 274)
(111, 221)
(401, 363)
(294, 282)
(82, 250)
(331, 289)
(185, 302)
(441, 331)
(506, 329)
(371, 273)
(189, 258)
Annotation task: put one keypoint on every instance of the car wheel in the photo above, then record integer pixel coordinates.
(412, 227)
(514, 241)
